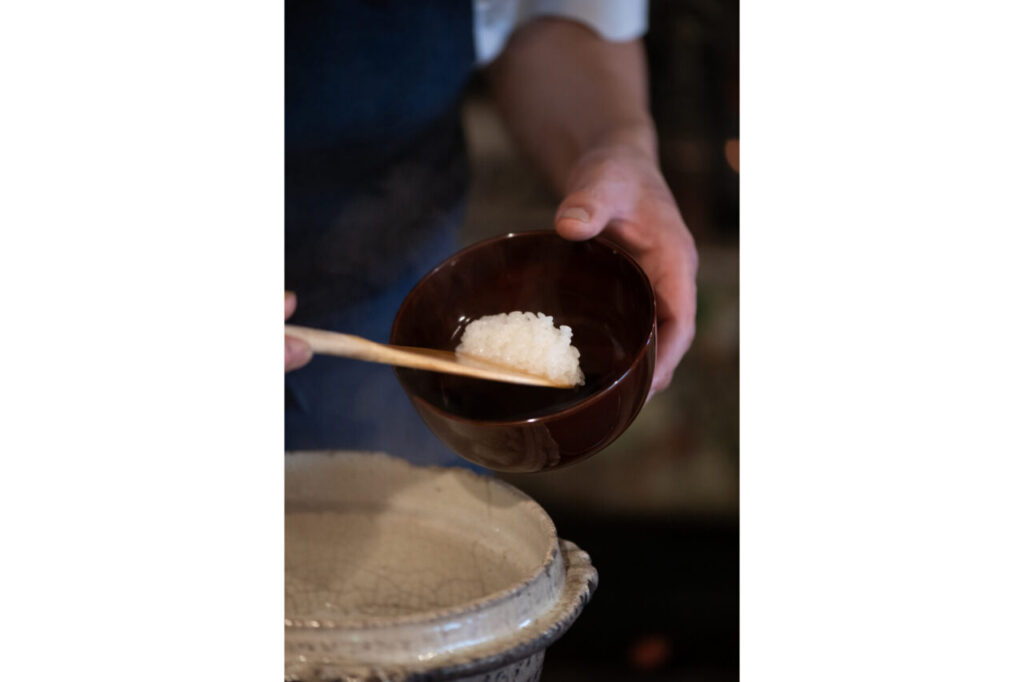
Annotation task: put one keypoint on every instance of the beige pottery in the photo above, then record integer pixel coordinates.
(397, 572)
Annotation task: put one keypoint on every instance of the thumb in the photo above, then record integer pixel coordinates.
(585, 211)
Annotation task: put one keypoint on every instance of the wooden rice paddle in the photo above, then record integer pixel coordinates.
(358, 348)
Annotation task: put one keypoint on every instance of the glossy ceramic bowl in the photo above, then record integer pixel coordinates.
(595, 288)
(398, 573)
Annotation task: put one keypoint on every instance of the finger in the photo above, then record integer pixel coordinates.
(674, 340)
(290, 301)
(677, 308)
(296, 353)
(587, 209)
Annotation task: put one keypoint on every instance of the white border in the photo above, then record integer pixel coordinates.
(882, 341)
(141, 256)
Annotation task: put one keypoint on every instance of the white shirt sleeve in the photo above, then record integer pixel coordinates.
(495, 20)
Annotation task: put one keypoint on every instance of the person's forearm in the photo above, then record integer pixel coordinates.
(563, 91)
(577, 105)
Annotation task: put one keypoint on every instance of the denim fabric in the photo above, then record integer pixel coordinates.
(375, 177)
(337, 403)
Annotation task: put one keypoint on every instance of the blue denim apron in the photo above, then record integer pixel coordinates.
(375, 178)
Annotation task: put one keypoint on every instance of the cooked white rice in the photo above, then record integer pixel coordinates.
(524, 341)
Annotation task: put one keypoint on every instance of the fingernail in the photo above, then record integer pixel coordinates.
(575, 213)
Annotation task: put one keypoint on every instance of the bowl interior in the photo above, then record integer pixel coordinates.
(591, 286)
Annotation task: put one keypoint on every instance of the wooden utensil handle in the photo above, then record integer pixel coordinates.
(343, 345)
(358, 348)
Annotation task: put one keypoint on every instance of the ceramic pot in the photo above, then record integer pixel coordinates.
(402, 573)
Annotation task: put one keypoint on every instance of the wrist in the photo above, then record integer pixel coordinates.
(629, 151)
(633, 145)
(636, 139)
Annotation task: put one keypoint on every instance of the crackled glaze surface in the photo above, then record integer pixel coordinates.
(421, 567)
(396, 572)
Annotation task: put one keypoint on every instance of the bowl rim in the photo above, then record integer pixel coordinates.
(574, 407)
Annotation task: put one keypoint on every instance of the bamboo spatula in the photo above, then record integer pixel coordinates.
(358, 348)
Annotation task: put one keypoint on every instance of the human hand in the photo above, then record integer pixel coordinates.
(617, 190)
(296, 351)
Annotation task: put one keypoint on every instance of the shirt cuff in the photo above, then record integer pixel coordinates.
(495, 20)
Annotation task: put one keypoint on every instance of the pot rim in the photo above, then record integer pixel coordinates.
(466, 608)
(580, 583)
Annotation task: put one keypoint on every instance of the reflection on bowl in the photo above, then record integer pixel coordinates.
(594, 287)
(400, 572)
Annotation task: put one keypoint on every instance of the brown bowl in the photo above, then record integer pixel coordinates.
(592, 286)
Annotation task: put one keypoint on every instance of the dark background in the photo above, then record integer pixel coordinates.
(659, 510)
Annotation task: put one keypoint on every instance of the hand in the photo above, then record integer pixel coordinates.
(296, 351)
(618, 191)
